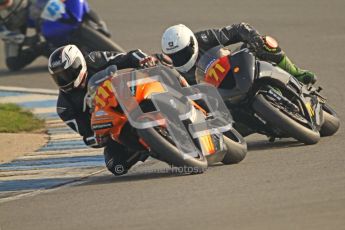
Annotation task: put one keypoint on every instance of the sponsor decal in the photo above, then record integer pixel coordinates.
(102, 126)
(209, 64)
(101, 113)
(204, 37)
(172, 46)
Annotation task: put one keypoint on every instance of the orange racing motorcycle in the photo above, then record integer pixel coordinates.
(155, 110)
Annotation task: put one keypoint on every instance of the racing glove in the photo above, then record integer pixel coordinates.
(267, 49)
(143, 60)
(164, 59)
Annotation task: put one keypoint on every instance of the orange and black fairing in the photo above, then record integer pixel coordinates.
(107, 117)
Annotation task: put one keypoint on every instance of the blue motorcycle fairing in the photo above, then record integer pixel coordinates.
(60, 32)
(77, 8)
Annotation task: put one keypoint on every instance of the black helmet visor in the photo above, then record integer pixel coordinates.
(181, 57)
(64, 77)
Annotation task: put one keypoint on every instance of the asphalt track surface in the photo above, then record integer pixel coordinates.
(282, 185)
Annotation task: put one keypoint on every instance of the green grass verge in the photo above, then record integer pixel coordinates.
(14, 119)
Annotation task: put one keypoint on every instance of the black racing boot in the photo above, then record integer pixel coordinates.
(119, 159)
(304, 76)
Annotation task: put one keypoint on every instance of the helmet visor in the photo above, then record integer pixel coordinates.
(64, 77)
(181, 57)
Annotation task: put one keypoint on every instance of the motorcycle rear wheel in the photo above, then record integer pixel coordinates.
(276, 118)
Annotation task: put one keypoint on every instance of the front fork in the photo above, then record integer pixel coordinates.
(307, 105)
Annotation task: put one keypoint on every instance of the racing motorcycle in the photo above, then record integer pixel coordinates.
(151, 115)
(62, 22)
(265, 99)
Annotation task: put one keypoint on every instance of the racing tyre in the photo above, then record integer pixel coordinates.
(276, 118)
(165, 151)
(236, 147)
(331, 122)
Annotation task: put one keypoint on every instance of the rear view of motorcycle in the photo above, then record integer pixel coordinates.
(70, 21)
(148, 109)
(265, 99)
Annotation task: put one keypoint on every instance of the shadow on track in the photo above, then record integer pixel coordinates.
(280, 144)
(141, 172)
(150, 171)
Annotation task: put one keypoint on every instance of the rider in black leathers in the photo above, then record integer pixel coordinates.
(184, 47)
(72, 107)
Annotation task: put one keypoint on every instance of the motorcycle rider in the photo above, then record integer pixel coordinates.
(20, 48)
(184, 47)
(71, 71)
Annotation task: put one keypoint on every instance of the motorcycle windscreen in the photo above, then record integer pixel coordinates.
(171, 106)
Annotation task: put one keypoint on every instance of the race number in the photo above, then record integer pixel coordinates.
(103, 94)
(217, 71)
(53, 10)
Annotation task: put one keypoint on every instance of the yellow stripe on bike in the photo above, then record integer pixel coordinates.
(310, 109)
(207, 144)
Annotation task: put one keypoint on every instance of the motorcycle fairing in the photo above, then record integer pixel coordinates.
(268, 70)
(60, 31)
(243, 71)
(77, 8)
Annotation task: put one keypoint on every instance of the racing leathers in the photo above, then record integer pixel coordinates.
(21, 50)
(73, 109)
(243, 32)
(20, 47)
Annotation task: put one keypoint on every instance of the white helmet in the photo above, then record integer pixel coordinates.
(180, 44)
(68, 67)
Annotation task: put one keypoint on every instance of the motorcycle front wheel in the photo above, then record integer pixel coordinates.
(166, 151)
(276, 118)
(331, 122)
(236, 147)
